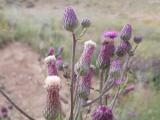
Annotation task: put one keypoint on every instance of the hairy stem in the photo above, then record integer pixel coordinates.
(72, 75)
(15, 105)
(101, 85)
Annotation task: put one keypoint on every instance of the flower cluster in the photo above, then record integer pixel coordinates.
(53, 84)
(112, 63)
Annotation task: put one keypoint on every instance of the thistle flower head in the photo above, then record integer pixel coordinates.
(49, 59)
(51, 51)
(53, 81)
(126, 32)
(85, 83)
(51, 65)
(84, 62)
(137, 39)
(89, 44)
(52, 109)
(102, 113)
(85, 23)
(110, 34)
(106, 52)
(70, 19)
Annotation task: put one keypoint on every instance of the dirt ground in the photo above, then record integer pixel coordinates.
(22, 75)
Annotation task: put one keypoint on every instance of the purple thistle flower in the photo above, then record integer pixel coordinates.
(59, 63)
(102, 113)
(51, 65)
(126, 32)
(85, 22)
(53, 106)
(110, 34)
(51, 51)
(83, 65)
(137, 39)
(129, 89)
(85, 83)
(70, 19)
(106, 51)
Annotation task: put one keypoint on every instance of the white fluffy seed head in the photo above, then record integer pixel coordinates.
(92, 67)
(90, 43)
(50, 58)
(52, 81)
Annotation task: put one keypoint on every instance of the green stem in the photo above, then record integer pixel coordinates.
(72, 75)
(82, 33)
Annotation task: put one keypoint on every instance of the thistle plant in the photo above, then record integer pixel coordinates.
(112, 64)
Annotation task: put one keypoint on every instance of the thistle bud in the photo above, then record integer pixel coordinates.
(137, 39)
(51, 51)
(59, 63)
(53, 106)
(70, 19)
(85, 84)
(102, 113)
(106, 51)
(85, 23)
(126, 32)
(51, 65)
(83, 65)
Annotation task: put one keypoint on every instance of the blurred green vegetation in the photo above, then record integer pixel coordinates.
(42, 30)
